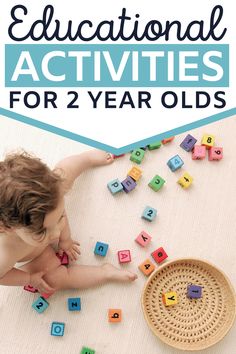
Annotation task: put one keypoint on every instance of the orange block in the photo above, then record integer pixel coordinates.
(168, 140)
(135, 173)
(114, 315)
(147, 267)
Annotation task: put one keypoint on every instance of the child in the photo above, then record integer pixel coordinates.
(33, 217)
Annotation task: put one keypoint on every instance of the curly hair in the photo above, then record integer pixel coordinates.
(28, 191)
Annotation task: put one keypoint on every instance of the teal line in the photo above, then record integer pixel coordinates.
(124, 149)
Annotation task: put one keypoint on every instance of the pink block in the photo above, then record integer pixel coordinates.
(199, 152)
(143, 239)
(124, 256)
(30, 289)
(64, 258)
(215, 153)
(45, 295)
(117, 156)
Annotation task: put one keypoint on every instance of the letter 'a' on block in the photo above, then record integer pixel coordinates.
(124, 256)
(57, 329)
(135, 173)
(74, 304)
(156, 183)
(147, 267)
(40, 305)
(185, 181)
(208, 140)
(168, 140)
(128, 184)
(215, 153)
(86, 350)
(199, 152)
(115, 186)
(101, 249)
(159, 255)
(194, 291)
(154, 146)
(114, 315)
(137, 156)
(175, 163)
(188, 143)
(149, 213)
(143, 239)
(170, 298)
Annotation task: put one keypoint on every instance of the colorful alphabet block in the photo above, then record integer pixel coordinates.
(86, 350)
(215, 153)
(147, 267)
(159, 255)
(185, 181)
(175, 163)
(128, 184)
(143, 239)
(170, 298)
(194, 291)
(135, 173)
(46, 295)
(188, 143)
(208, 140)
(154, 146)
(124, 256)
(101, 249)
(156, 183)
(64, 259)
(137, 156)
(114, 315)
(168, 140)
(199, 152)
(74, 304)
(57, 329)
(115, 186)
(149, 213)
(30, 289)
(40, 305)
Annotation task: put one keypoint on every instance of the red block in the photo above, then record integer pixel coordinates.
(215, 153)
(63, 258)
(30, 289)
(159, 255)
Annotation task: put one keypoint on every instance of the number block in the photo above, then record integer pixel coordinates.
(135, 173)
(74, 304)
(30, 289)
(215, 153)
(57, 329)
(114, 315)
(154, 146)
(175, 163)
(159, 255)
(86, 350)
(156, 183)
(199, 152)
(168, 140)
(128, 184)
(170, 298)
(101, 249)
(137, 156)
(147, 267)
(186, 180)
(115, 186)
(40, 305)
(188, 143)
(124, 256)
(143, 239)
(194, 291)
(149, 213)
(208, 140)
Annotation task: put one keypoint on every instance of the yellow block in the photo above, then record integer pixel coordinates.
(170, 298)
(186, 180)
(135, 173)
(208, 140)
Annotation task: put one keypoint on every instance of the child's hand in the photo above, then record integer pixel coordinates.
(71, 248)
(36, 280)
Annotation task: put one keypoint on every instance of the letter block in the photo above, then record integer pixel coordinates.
(74, 304)
(57, 329)
(137, 156)
(143, 239)
(199, 152)
(30, 289)
(40, 305)
(135, 173)
(147, 267)
(215, 153)
(128, 184)
(188, 143)
(101, 249)
(86, 350)
(154, 146)
(124, 256)
(175, 163)
(114, 315)
(194, 291)
(168, 140)
(156, 183)
(63, 258)
(159, 255)
(149, 213)
(115, 186)
(186, 180)
(170, 298)
(208, 140)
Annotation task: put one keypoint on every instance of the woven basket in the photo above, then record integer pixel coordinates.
(192, 324)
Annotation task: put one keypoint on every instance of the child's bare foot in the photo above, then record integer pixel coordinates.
(99, 158)
(116, 274)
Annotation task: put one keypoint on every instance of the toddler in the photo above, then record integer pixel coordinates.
(33, 218)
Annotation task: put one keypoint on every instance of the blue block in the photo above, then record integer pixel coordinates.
(57, 329)
(74, 304)
(128, 184)
(40, 305)
(101, 249)
(188, 143)
(149, 213)
(175, 163)
(115, 186)
(194, 291)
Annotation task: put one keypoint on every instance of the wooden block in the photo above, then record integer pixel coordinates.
(154, 146)
(135, 173)
(115, 186)
(168, 140)
(124, 256)
(170, 298)
(215, 153)
(101, 249)
(194, 291)
(143, 239)
(30, 289)
(156, 183)
(128, 184)
(208, 140)
(199, 152)
(114, 315)
(86, 350)
(57, 329)
(137, 156)
(149, 213)
(186, 180)
(74, 304)
(159, 255)
(147, 267)
(40, 305)
(188, 143)
(175, 163)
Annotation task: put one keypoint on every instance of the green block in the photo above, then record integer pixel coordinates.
(137, 156)
(86, 350)
(154, 146)
(156, 183)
